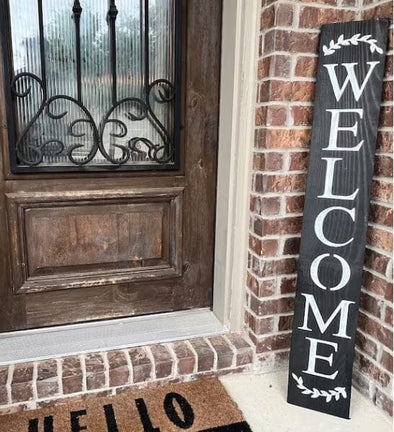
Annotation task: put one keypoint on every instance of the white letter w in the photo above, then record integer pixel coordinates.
(351, 76)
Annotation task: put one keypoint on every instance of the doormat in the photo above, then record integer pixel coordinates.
(198, 406)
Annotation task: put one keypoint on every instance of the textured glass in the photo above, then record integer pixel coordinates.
(93, 82)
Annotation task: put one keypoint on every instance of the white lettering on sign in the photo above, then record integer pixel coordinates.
(329, 182)
(351, 77)
(342, 309)
(335, 129)
(319, 223)
(311, 370)
(345, 272)
(338, 132)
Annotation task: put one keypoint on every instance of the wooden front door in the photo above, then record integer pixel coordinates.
(107, 228)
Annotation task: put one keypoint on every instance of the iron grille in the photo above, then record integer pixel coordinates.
(109, 116)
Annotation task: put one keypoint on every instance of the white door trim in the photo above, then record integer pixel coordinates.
(236, 128)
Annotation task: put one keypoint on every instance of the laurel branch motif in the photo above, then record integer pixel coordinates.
(315, 393)
(354, 40)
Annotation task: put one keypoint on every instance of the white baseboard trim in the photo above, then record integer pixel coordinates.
(54, 342)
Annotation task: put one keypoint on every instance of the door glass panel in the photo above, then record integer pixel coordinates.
(94, 84)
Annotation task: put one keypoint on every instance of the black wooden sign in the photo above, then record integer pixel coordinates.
(345, 119)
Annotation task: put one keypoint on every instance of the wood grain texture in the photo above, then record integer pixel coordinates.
(341, 234)
(79, 272)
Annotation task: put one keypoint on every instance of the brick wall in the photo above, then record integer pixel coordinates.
(288, 42)
(45, 383)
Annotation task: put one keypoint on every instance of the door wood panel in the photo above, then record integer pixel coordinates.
(94, 238)
(87, 246)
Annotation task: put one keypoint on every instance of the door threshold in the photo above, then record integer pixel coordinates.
(53, 342)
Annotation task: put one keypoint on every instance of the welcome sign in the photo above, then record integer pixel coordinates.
(346, 113)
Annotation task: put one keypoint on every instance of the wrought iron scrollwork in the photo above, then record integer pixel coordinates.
(113, 139)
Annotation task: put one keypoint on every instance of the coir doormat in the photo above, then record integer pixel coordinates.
(198, 406)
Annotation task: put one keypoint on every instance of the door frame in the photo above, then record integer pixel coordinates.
(236, 130)
(236, 135)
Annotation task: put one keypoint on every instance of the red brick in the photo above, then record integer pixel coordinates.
(289, 41)
(205, 355)
(22, 373)
(118, 369)
(384, 142)
(366, 345)
(289, 225)
(381, 215)
(351, 3)
(223, 350)
(302, 115)
(255, 204)
(383, 166)
(22, 392)
(267, 19)
(386, 116)
(272, 343)
(372, 370)
(389, 66)
(47, 379)
(244, 352)
(274, 66)
(272, 307)
(302, 91)
(376, 261)
(299, 161)
(3, 397)
(275, 268)
(186, 358)
(387, 361)
(271, 161)
(285, 138)
(71, 375)
(382, 191)
(267, 248)
(295, 204)
(3, 375)
(95, 371)
(384, 402)
(263, 288)
(280, 183)
(384, 10)
(387, 91)
(261, 116)
(284, 15)
(46, 369)
(378, 285)
(270, 206)
(261, 326)
(163, 361)
(371, 305)
(47, 388)
(379, 238)
(276, 91)
(276, 115)
(3, 382)
(292, 246)
(388, 315)
(285, 322)
(306, 66)
(327, 2)
(376, 330)
(288, 285)
(312, 17)
(141, 364)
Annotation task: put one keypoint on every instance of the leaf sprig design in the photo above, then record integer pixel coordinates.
(314, 393)
(354, 40)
